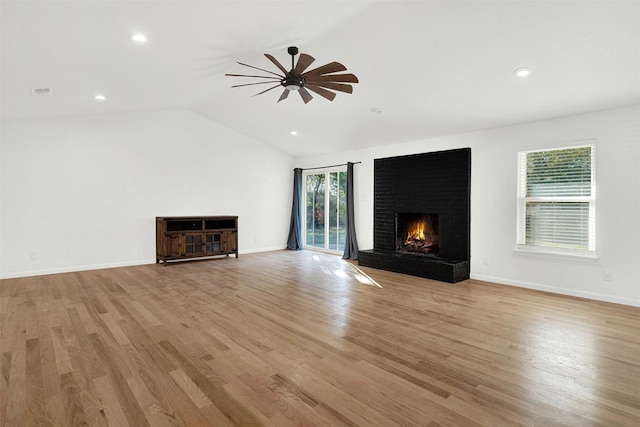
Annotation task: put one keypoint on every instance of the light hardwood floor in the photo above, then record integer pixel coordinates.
(302, 338)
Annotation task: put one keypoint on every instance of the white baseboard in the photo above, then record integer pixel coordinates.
(557, 290)
(75, 268)
(253, 251)
(72, 269)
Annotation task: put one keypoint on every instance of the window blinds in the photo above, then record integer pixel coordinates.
(557, 198)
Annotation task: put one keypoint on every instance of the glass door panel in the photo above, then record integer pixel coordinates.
(315, 210)
(325, 210)
(337, 210)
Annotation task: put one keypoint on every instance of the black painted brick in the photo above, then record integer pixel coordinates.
(444, 270)
(431, 183)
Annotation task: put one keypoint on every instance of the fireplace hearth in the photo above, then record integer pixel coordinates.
(422, 216)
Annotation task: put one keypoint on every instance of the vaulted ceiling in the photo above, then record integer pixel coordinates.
(426, 69)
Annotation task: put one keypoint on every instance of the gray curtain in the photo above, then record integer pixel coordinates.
(351, 243)
(294, 242)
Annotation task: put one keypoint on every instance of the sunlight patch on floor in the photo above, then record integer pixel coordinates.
(340, 273)
(363, 277)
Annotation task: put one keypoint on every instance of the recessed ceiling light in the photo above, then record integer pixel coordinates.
(522, 72)
(294, 132)
(100, 97)
(376, 110)
(139, 38)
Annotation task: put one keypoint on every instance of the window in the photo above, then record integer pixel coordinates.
(556, 200)
(325, 210)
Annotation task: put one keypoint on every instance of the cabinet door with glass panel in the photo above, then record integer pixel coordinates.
(221, 242)
(325, 209)
(212, 243)
(193, 244)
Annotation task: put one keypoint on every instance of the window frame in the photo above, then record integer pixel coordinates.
(538, 250)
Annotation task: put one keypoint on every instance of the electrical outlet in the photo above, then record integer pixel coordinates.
(485, 260)
(607, 275)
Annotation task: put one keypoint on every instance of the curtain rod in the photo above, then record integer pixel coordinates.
(332, 166)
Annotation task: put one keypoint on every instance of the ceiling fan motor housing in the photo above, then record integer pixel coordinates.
(292, 82)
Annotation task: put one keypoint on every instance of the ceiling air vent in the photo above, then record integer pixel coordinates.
(39, 91)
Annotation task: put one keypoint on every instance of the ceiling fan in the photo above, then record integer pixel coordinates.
(318, 80)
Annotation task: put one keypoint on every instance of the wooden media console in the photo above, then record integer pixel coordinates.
(179, 238)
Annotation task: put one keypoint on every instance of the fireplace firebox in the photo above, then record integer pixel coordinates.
(417, 233)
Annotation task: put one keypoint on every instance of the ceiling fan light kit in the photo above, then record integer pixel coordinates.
(321, 80)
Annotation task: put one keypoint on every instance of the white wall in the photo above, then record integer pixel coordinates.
(493, 201)
(83, 192)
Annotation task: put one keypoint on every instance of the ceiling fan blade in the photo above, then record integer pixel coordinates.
(320, 91)
(261, 69)
(346, 78)
(251, 84)
(335, 86)
(267, 90)
(284, 95)
(332, 67)
(305, 95)
(276, 63)
(258, 77)
(303, 63)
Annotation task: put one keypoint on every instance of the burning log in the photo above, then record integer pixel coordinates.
(417, 243)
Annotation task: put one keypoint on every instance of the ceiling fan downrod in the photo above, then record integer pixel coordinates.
(290, 81)
(293, 51)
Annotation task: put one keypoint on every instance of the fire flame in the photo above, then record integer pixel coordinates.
(416, 231)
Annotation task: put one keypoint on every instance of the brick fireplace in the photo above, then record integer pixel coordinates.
(422, 215)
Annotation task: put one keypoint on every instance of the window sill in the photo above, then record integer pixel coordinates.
(558, 255)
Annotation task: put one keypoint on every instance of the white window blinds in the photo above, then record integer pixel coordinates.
(556, 200)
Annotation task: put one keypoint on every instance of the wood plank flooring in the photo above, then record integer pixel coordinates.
(305, 339)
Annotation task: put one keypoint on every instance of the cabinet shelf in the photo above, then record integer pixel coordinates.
(180, 238)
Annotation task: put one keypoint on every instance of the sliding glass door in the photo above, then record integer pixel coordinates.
(325, 210)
